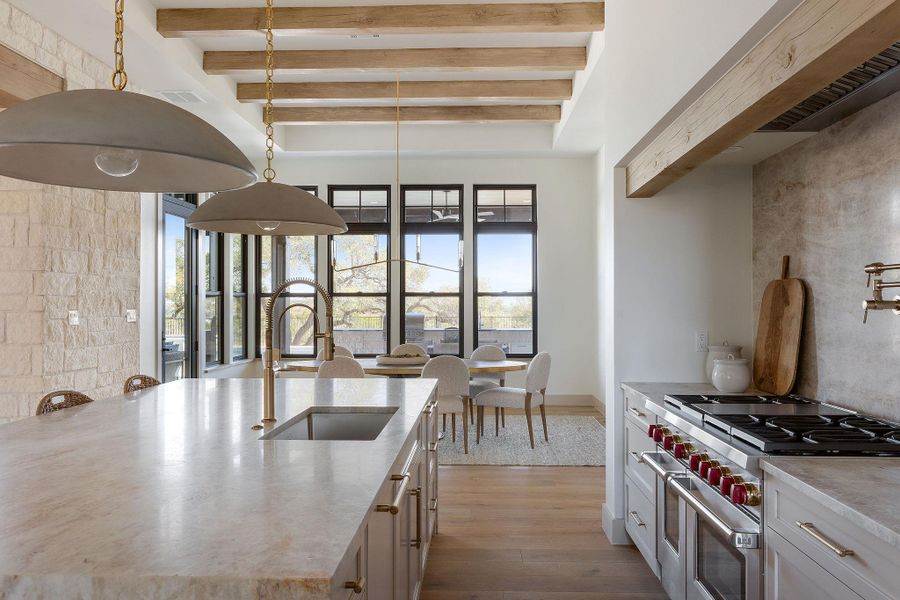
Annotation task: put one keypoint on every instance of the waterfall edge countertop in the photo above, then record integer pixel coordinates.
(167, 492)
(856, 488)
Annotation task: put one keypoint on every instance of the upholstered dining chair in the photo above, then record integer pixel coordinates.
(139, 382)
(453, 391)
(61, 399)
(341, 367)
(487, 381)
(536, 379)
(338, 351)
(409, 348)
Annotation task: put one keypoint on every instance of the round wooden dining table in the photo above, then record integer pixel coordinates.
(372, 367)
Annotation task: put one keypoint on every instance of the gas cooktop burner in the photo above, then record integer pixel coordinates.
(824, 436)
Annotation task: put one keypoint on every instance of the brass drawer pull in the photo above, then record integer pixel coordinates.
(396, 505)
(432, 447)
(636, 518)
(637, 457)
(417, 543)
(636, 412)
(433, 505)
(356, 586)
(816, 535)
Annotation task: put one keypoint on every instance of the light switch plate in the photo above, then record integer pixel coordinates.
(131, 316)
(73, 318)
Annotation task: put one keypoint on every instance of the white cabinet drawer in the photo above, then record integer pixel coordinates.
(640, 523)
(353, 571)
(635, 409)
(791, 575)
(872, 570)
(636, 441)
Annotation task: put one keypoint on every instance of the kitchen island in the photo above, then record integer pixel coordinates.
(169, 493)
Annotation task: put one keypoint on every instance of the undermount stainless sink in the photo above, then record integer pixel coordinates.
(334, 423)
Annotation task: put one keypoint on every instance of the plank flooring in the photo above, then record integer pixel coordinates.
(530, 533)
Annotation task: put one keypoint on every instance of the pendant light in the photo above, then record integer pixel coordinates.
(118, 141)
(396, 246)
(268, 208)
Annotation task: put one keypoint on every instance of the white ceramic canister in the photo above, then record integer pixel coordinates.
(731, 375)
(717, 352)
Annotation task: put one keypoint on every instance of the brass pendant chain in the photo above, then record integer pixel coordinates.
(120, 78)
(269, 173)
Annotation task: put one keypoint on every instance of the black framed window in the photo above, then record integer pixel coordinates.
(362, 295)
(431, 232)
(239, 297)
(505, 229)
(287, 257)
(213, 248)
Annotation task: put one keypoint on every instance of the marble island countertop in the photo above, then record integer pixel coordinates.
(169, 493)
(856, 488)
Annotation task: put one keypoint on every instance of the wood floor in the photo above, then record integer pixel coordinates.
(529, 533)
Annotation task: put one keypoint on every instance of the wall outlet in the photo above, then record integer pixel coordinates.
(73, 318)
(701, 341)
(131, 316)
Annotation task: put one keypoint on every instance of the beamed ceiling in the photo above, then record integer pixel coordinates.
(505, 62)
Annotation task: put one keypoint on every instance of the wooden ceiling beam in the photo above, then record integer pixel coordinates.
(523, 90)
(430, 114)
(407, 59)
(412, 19)
(818, 42)
(23, 79)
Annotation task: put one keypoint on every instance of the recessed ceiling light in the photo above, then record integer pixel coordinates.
(732, 149)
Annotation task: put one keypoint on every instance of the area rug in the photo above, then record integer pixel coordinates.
(574, 441)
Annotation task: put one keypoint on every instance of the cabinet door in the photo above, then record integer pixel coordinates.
(416, 518)
(792, 575)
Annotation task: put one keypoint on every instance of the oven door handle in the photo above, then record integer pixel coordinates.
(661, 472)
(740, 539)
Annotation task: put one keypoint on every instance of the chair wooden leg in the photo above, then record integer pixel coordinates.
(445, 422)
(453, 427)
(496, 421)
(482, 421)
(503, 417)
(528, 418)
(544, 422)
(466, 427)
(480, 411)
(472, 409)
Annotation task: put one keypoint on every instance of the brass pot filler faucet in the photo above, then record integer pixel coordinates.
(874, 272)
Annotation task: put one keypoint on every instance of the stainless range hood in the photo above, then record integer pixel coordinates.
(875, 79)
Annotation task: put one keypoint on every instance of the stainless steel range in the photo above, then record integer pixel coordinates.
(709, 497)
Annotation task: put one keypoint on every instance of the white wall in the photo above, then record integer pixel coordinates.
(680, 262)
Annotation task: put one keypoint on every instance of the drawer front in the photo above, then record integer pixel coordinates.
(871, 571)
(640, 523)
(792, 575)
(353, 571)
(635, 410)
(636, 441)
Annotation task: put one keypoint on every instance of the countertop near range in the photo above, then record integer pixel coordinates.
(858, 489)
(168, 493)
(656, 392)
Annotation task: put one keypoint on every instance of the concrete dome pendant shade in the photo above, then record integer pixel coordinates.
(118, 141)
(267, 208)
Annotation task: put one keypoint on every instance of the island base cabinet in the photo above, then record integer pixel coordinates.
(399, 529)
(792, 575)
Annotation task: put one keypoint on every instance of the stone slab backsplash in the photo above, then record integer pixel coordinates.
(832, 202)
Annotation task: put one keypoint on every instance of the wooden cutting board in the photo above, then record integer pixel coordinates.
(778, 334)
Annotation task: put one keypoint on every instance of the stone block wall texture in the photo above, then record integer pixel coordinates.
(64, 249)
(832, 202)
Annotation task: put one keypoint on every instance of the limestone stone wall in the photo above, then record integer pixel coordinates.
(64, 249)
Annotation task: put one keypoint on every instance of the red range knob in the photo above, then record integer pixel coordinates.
(683, 450)
(727, 482)
(745, 494)
(695, 460)
(659, 433)
(651, 431)
(715, 474)
(706, 465)
(669, 442)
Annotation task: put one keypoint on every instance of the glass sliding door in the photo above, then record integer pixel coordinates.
(179, 245)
